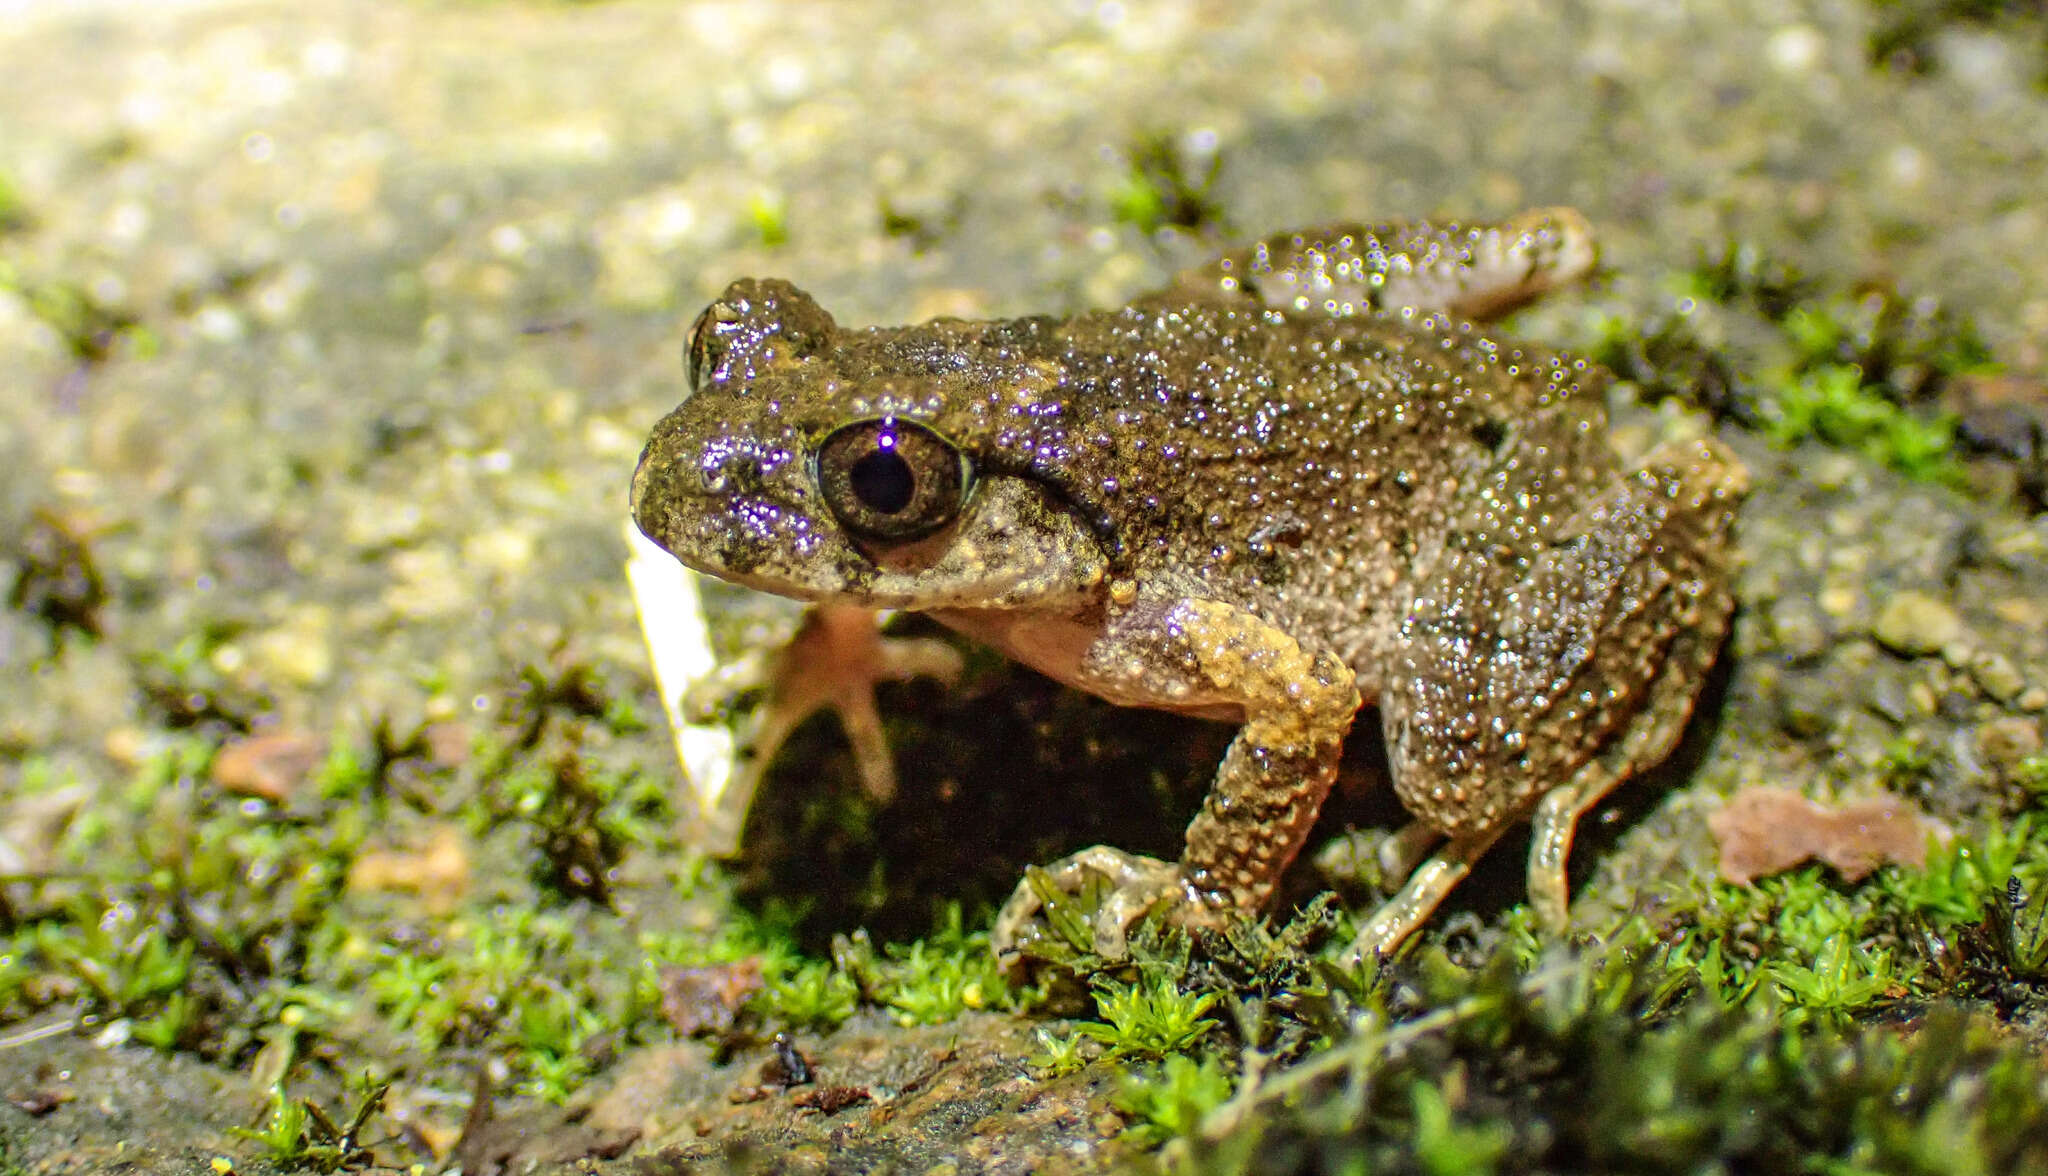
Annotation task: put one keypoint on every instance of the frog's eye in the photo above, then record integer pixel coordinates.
(892, 480)
(753, 314)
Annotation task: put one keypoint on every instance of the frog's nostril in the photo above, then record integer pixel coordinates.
(729, 470)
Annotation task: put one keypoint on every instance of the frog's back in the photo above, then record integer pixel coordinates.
(1307, 467)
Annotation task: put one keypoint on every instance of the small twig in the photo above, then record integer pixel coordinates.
(1361, 1051)
(40, 1032)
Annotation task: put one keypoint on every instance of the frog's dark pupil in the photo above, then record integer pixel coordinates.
(883, 481)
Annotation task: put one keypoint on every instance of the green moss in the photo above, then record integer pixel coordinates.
(1444, 1146)
(1151, 1017)
(1169, 181)
(297, 1135)
(285, 1135)
(178, 913)
(119, 969)
(14, 215)
(769, 213)
(2032, 774)
(2019, 929)
(234, 936)
(1963, 872)
(812, 995)
(1907, 760)
(1836, 405)
(927, 981)
(94, 330)
(1601, 1064)
(552, 1028)
(1750, 1028)
(549, 772)
(1059, 1053)
(223, 926)
(1169, 1100)
(1852, 369)
(1843, 978)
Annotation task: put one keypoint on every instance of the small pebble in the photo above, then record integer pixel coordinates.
(1799, 627)
(1915, 624)
(1997, 676)
(2006, 742)
(1838, 602)
(1807, 706)
(1923, 698)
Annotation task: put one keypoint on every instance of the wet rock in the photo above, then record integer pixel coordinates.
(1995, 674)
(2004, 743)
(1807, 705)
(1800, 628)
(1915, 624)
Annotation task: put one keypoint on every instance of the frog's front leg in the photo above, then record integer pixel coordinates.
(834, 661)
(1207, 657)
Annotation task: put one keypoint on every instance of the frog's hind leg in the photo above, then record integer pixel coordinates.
(1552, 825)
(1666, 706)
(1425, 889)
(1534, 672)
(1471, 270)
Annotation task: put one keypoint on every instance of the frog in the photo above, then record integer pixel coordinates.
(1298, 480)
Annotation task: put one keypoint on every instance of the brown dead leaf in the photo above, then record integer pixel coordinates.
(707, 999)
(439, 873)
(269, 765)
(448, 743)
(1764, 831)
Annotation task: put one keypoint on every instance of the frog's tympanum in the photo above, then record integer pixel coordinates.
(1291, 483)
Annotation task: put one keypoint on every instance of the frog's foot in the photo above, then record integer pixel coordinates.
(1400, 915)
(833, 662)
(1470, 270)
(1137, 885)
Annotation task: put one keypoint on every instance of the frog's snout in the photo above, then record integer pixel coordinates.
(723, 472)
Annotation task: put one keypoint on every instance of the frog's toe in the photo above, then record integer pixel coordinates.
(1016, 928)
(1137, 884)
(1400, 915)
(1140, 884)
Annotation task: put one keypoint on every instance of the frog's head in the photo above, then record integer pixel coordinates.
(846, 465)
